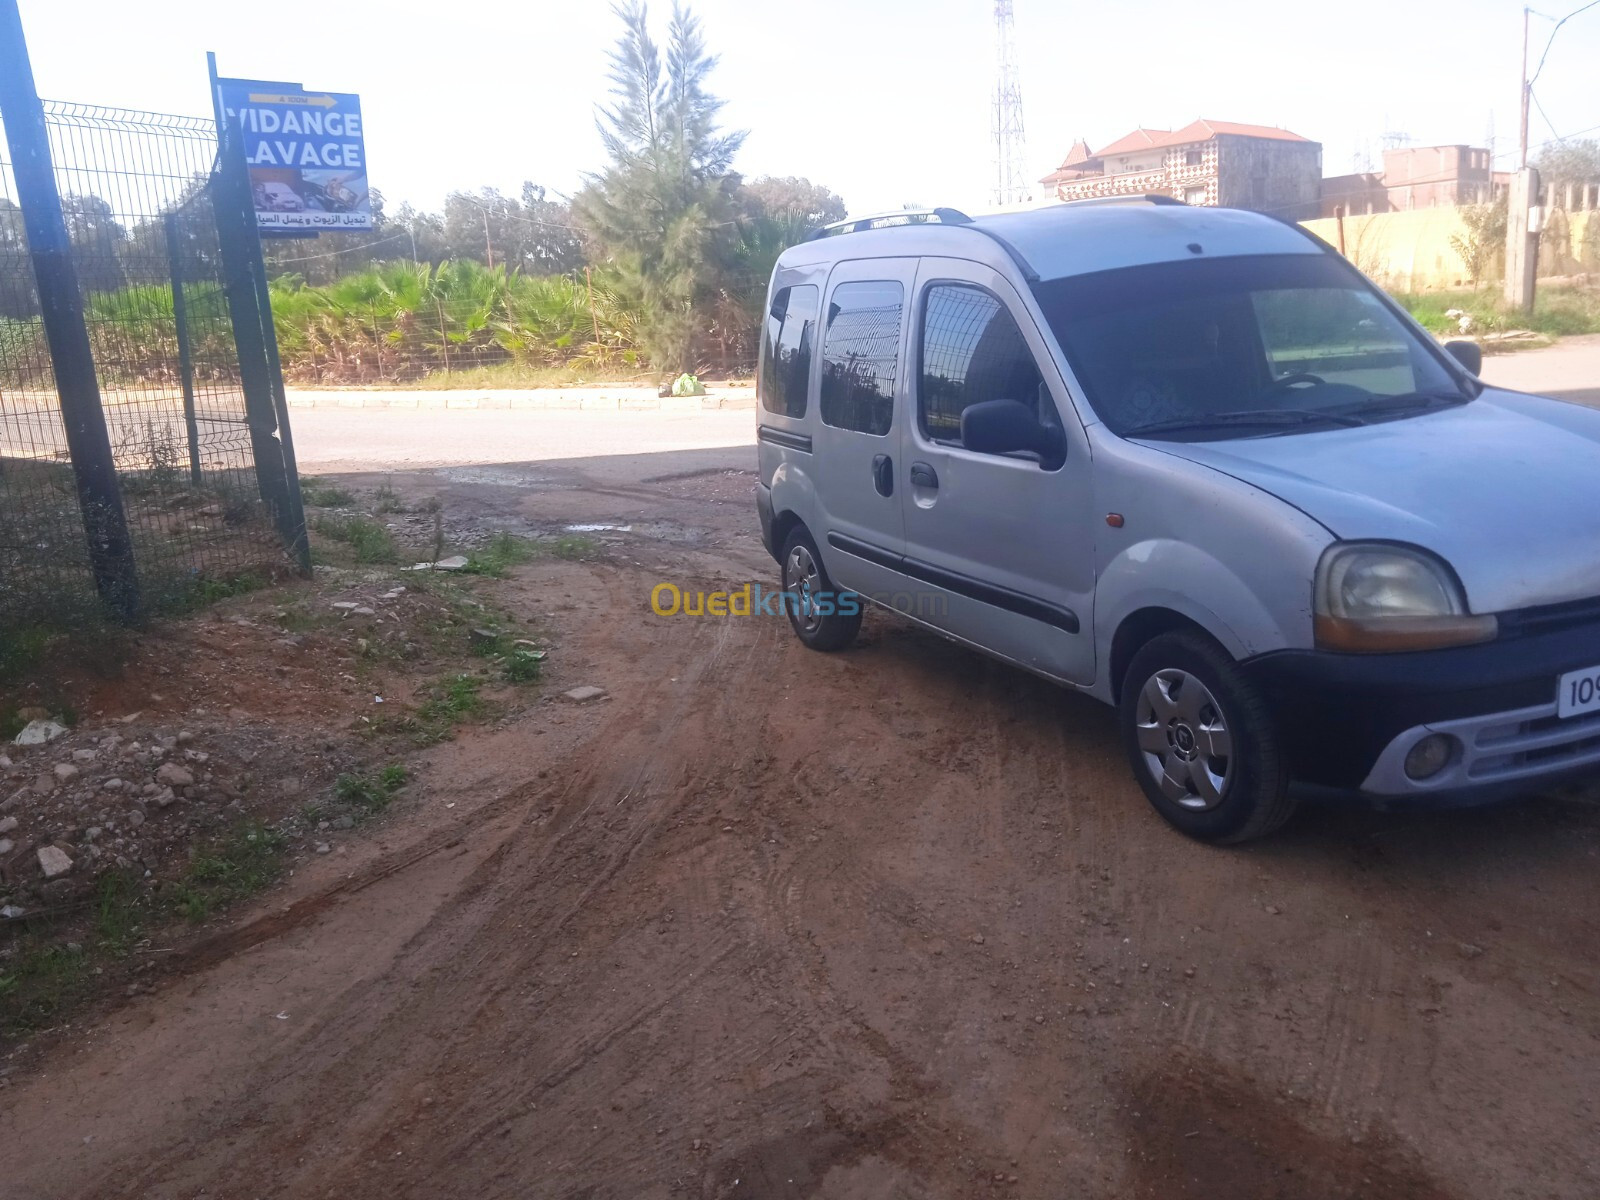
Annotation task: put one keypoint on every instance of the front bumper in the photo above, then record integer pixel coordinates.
(1347, 721)
(1493, 754)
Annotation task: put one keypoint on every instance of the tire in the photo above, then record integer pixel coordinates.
(822, 617)
(1201, 741)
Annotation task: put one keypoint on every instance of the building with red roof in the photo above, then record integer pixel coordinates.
(1222, 163)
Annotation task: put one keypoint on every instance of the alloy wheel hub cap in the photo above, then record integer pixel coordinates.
(1184, 740)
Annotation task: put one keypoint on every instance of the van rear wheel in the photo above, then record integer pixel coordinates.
(823, 618)
(1201, 741)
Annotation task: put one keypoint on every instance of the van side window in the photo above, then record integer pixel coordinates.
(972, 351)
(859, 356)
(786, 340)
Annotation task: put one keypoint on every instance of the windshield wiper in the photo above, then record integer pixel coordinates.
(1266, 417)
(1380, 406)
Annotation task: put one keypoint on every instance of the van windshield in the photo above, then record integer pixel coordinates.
(1252, 346)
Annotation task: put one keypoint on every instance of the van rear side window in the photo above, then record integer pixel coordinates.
(786, 341)
(860, 354)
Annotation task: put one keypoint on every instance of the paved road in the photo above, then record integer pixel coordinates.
(1569, 370)
(609, 444)
(615, 443)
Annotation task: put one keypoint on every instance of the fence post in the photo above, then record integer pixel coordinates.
(300, 543)
(94, 468)
(180, 318)
(244, 284)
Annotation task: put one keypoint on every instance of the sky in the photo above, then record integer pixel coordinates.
(887, 102)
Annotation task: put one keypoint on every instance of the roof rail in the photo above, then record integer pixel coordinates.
(1134, 198)
(889, 220)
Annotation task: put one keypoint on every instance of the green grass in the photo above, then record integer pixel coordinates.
(1556, 311)
(456, 699)
(522, 665)
(44, 977)
(502, 552)
(240, 865)
(371, 793)
(369, 541)
(449, 702)
(316, 494)
(39, 982)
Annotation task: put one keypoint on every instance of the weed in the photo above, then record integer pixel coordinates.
(371, 793)
(238, 866)
(370, 541)
(523, 665)
(40, 980)
(438, 534)
(1557, 311)
(117, 909)
(387, 500)
(457, 699)
(197, 591)
(319, 495)
(503, 551)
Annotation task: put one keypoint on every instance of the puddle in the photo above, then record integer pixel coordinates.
(598, 528)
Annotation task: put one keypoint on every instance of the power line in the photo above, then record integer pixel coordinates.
(1556, 30)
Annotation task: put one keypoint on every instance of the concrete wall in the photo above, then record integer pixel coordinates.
(1412, 251)
(1281, 178)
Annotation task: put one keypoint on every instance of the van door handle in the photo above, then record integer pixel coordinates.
(883, 474)
(922, 475)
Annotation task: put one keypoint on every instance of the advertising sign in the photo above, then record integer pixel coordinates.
(306, 155)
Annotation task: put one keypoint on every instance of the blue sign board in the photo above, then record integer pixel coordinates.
(306, 154)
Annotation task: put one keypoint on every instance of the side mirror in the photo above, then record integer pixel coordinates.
(1468, 354)
(1007, 426)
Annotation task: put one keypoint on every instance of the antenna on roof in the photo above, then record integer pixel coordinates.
(1010, 142)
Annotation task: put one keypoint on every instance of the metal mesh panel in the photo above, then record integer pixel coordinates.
(137, 205)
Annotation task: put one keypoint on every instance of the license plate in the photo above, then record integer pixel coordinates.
(1578, 693)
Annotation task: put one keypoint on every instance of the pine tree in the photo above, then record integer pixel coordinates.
(663, 208)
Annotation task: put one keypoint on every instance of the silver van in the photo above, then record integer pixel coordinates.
(1189, 461)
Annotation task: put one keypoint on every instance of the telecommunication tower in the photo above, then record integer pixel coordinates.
(1010, 143)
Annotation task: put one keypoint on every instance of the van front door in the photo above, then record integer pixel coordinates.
(1005, 542)
(860, 391)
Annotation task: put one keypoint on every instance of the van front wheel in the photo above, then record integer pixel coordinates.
(1201, 741)
(823, 617)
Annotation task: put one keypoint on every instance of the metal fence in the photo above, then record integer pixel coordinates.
(203, 507)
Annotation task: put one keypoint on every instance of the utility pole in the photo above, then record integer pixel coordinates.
(488, 245)
(1522, 235)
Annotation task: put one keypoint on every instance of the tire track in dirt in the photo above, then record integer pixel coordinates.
(895, 923)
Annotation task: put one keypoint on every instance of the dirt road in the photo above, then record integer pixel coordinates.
(888, 923)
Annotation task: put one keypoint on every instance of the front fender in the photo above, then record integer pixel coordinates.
(1176, 575)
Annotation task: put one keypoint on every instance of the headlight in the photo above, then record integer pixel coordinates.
(1373, 597)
